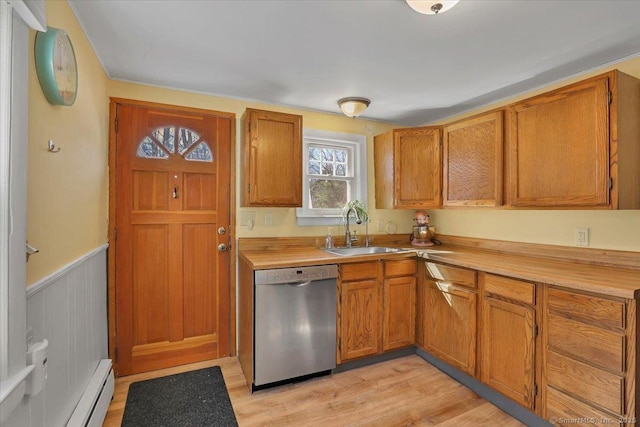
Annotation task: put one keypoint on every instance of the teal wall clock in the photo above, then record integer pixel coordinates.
(56, 66)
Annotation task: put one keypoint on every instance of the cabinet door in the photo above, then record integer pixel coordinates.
(472, 161)
(450, 324)
(417, 168)
(272, 159)
(559, 148)
(399, 312)
(360, 314)
(507, 360)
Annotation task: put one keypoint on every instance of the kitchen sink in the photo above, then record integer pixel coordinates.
(367, 250)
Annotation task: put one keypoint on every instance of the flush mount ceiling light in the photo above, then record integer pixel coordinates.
(353, 106)
(431, 7)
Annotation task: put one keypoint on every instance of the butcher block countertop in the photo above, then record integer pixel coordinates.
(613, 273)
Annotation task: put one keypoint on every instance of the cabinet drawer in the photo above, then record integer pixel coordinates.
(454, 275)
(585, 342)
(404, 267)
(510, 288)
(561, 407)
(590, 384)
(589, 308)
(359, 271)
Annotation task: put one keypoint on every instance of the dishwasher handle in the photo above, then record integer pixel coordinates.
(299, 284)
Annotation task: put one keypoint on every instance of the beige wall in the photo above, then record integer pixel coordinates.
(607, 229)
(67, 197)
(283, 219)
(68, 191)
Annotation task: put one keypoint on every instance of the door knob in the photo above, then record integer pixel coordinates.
(222, 247)
(221, 230)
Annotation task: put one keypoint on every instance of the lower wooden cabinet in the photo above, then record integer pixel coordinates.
(590, 364)
(508, 335)
(579, 370)
(376, 308)
(359, 310)
(399, 323)
(449, 315)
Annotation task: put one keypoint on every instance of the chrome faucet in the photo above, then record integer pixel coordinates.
(347, 234)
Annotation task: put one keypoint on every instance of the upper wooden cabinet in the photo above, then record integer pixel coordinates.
(272, 159)
(408, 168)
(578, 146)
(472, 161)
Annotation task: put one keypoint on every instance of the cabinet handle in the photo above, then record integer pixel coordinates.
(175, 192)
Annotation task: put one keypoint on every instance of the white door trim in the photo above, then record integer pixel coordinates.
(5, 171)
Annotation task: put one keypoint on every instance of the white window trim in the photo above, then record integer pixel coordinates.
(358, 143)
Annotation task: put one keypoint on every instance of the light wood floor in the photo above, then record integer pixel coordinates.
(401, 392)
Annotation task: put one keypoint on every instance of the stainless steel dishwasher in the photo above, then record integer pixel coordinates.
(294, 323)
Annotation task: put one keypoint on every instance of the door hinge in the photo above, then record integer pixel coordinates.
(535, 331)
(115, 354)
(610, 183)
(116, 123)
(535, 389)
(248, 188)
(115, 234)
(610, 94)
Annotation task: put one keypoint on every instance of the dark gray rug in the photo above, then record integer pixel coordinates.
(196, 398)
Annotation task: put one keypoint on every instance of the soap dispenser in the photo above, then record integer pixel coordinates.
(328, 241)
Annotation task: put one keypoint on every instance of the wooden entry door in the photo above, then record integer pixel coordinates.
(172, 268)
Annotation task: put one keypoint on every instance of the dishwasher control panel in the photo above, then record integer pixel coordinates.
(296, 274)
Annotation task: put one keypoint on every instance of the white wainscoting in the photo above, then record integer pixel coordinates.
(68, 308)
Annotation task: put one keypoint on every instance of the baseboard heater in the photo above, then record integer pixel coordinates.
(93, 404)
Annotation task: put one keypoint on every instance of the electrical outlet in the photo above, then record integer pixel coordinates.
(248, 219)
(582, 236)
(268, 218)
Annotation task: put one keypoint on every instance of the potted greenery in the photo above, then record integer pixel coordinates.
(358, 207)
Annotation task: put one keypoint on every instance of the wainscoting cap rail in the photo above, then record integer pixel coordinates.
(50, 279)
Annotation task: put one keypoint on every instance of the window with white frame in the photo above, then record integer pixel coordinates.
(334, 173)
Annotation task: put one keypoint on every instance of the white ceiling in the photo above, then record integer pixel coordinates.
(309, 53)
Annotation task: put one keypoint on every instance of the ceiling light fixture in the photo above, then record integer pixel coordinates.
(353, 106)
(431, 7)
